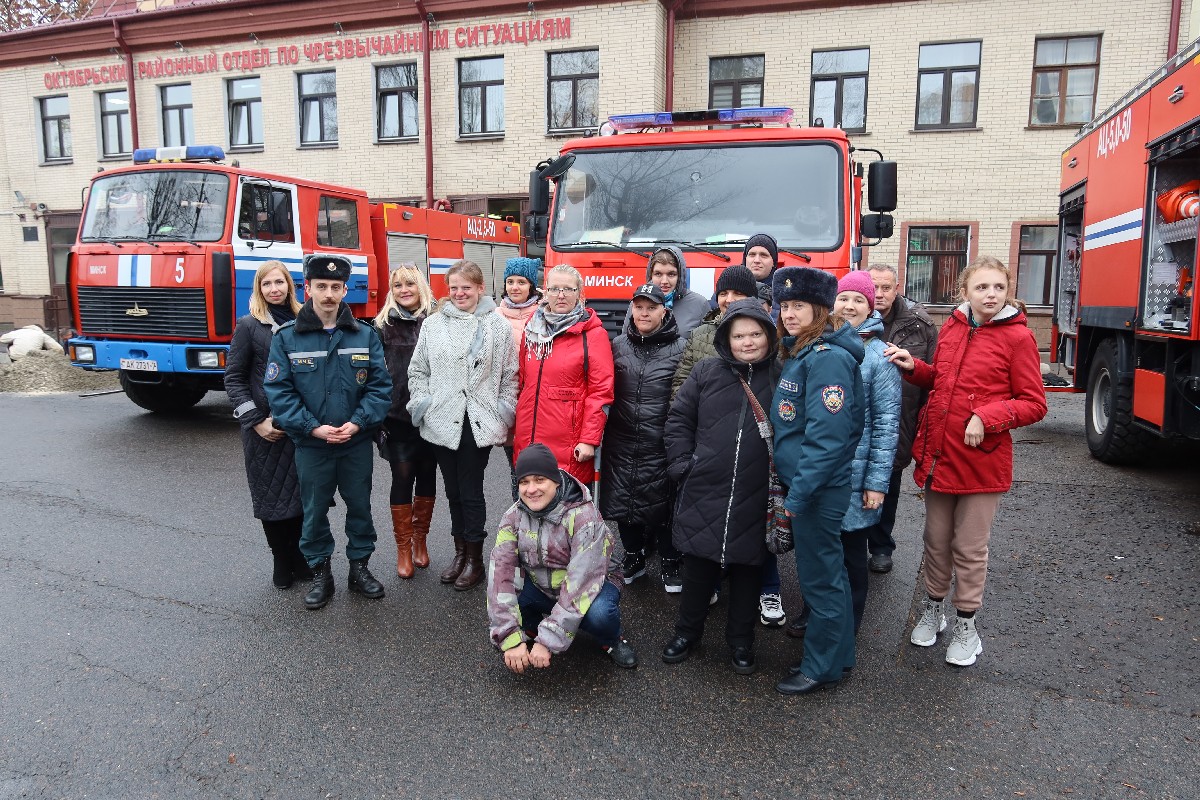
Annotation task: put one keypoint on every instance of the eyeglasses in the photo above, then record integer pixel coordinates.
(561, 290)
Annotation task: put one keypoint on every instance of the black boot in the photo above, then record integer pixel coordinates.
(362, 581)
(282, 572)
(322, 589)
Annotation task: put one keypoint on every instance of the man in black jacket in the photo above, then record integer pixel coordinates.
(905, 324)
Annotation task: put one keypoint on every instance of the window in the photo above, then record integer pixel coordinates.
(1064, 80)
(1035, 263)
(318, 108)
(839, 88)
(573, 89)
(947, 85)
(735, 82)
(396, 101)
(177, 115)
(266, 214)
(245, 112)
(481, 95)
(337, 223)
(115, 132)
(936, 256)
(56, 128)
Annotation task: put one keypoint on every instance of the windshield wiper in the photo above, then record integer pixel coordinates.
(172, 237)
(694, 246)
(642, 252)
(729, 240)
(105, 239)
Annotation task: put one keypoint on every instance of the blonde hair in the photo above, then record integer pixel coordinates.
(468, 269)
(258, 304)
(822, 317)
(566, 269)
(989, 262)
(408, 273)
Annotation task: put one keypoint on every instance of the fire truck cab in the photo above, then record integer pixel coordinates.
(169, 246)
(1125, 306)
(656, 179)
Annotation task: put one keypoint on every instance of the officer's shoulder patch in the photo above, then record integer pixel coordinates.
(361, 377)
(272, 371)
(834, 398)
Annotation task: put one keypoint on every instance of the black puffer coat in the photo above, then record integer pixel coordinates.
(716, 453)
(270, 466)
(633, 466)
(399, 336)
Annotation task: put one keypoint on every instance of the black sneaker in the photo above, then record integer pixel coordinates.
(880, 562)
(622, 654)
(634, 566)
(672, 583)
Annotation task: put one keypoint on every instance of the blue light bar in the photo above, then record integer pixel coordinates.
(712, 116)
(202, 152)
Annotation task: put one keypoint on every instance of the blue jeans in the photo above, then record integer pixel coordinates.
(602, 620)
(770, 575)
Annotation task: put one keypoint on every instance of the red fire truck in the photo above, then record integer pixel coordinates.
(1125, 312)
(168, 248)
(655, 179)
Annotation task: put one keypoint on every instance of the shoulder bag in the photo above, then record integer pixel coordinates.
(779, 524)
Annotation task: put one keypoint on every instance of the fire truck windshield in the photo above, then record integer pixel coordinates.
(161, 205)
(720, 195)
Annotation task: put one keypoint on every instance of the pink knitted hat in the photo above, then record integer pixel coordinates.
(858, 281)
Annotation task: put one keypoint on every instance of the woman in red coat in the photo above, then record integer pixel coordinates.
(986, 379)
(566, 377)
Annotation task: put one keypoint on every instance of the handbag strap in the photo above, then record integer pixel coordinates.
(760, 416)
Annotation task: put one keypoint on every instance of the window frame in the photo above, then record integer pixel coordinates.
(1062, 69)
(947, 83)
(399, 92)
(574, 79)
(124, 126)
(325, 223)
(66, 154)
(303, 98)
(839, 78)
(739, 83)
(185, 121)
(972, 229)
(483, 132)
(232, 103)
(1015, 254)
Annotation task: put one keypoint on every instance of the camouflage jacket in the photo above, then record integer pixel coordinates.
(568, 552)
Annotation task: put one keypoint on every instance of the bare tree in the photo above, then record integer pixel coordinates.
(19, 14)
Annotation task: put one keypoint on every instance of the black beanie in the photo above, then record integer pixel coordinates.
(763, 240)
(536, 459)
(738, 278)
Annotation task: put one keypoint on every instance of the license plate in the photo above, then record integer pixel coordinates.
(144, 365)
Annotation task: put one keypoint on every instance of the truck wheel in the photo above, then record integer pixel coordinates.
(1112, 435)
(161, 398)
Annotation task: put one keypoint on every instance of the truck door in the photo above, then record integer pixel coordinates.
(267, 230)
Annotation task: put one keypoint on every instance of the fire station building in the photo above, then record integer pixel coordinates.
(457, 100)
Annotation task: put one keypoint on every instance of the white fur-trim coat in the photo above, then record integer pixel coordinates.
(464, 367)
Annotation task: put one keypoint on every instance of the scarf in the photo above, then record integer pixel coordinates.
(401, 314)
(533, 299)
(544, 325)
(281, 314)
(670, 303)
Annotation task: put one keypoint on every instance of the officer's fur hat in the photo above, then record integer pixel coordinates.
(804, 283)
(328, 268)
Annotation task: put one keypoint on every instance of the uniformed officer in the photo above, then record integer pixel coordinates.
(329, 389)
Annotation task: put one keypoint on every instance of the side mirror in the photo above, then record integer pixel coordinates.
(539, 193)
(876, 226)
(881, 186)
(536, 227)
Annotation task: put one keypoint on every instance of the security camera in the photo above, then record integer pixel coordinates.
(41, 208)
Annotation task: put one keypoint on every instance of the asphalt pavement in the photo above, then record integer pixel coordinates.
(145, 654)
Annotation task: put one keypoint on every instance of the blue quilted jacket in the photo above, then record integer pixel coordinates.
(876, 451)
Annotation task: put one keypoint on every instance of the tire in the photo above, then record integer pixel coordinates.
(162, 398)
(1112, 435)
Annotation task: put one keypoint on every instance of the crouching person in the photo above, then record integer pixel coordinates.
(552, 570)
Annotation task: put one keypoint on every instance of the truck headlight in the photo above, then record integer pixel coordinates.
(84, 354)
(208, 359)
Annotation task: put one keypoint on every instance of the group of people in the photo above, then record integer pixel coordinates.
(786, 377)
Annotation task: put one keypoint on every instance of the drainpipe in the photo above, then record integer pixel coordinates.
(1173, 33)
(128, 56)
(672, 7)
(427, 94)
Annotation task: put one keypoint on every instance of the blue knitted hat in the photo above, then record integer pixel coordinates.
(528, 268)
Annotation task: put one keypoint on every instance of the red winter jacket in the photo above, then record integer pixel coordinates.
(559, 405)
(993, 371)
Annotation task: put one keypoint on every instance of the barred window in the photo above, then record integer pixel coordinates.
(935, 258)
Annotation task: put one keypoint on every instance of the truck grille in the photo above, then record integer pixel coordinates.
(611, 314)
(170, 312)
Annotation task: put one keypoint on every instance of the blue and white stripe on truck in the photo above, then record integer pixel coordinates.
(133, 270)
(245, 266)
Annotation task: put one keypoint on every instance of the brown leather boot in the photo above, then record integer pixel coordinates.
(473, 572)
(450, 575)
(402, 529)
(422, 514)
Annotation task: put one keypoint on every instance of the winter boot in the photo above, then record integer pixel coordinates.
(473, 572)
(281, 574)
(322, 588)
(422, 514)
(965, 644)
(450, 575)
(402, 530)
(361, 580)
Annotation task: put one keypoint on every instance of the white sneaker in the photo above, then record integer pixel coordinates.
(770, 611)
(964, 643)
(931, 623)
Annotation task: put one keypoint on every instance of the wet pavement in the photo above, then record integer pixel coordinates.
(145, 654)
